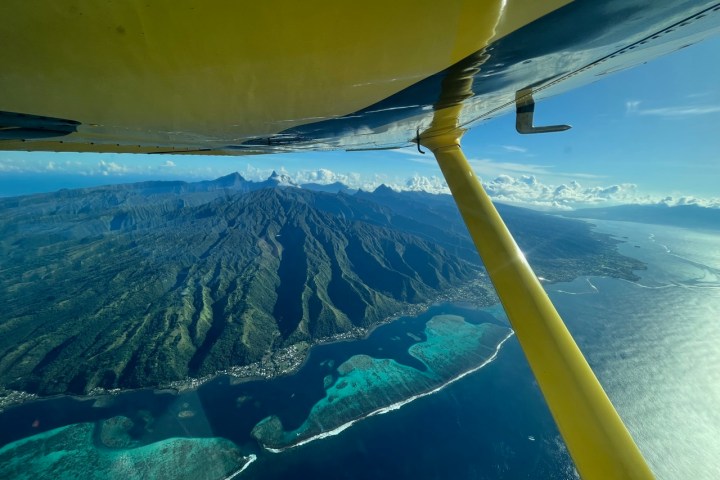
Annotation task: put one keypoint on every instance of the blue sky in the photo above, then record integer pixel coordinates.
(640, 135)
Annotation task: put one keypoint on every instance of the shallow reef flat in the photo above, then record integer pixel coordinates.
(105, 450)
(365, 386)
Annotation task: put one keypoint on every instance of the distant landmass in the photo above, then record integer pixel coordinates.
(558, 249)
(686, 216)
(142, 284)
(335, 187)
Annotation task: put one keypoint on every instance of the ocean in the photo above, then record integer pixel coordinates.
(654, 344)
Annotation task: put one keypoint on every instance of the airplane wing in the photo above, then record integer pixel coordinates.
(234, 78)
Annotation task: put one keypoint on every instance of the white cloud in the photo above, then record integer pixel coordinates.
(36, 164)
(490, 168)
(111, 168)
(530, 185)
(515, 149)
(8, 166)
(699, 94)
(517, 189)
(426, 184)
(632, 107)
(528, 190)
(690, 200)
(324, 176)
(101, 165)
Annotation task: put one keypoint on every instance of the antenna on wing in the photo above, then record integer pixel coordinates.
(525, 110)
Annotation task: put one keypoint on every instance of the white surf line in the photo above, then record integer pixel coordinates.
(252, 457)
(709, 286)
(592, 286)
(650, 287)
(394, 406)
(698, 265)
(651, 237)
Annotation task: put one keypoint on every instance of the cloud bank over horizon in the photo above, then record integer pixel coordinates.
(528, 191)
(524, 190)
(520, 189)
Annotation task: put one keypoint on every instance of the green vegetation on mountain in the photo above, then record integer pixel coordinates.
(118, 287)
(143, 284)
(558, 249)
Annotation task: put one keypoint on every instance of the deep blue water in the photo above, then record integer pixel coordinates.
(433, 428)
(14, 184)
(654, 344)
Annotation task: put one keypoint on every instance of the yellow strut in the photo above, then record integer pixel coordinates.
(596, 437)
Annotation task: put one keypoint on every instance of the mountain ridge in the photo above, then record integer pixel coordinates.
(146, 284)
(198, 288)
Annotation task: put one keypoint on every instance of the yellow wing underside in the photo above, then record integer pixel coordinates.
(225, 77)
(182, 75)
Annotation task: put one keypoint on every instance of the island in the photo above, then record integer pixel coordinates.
(169, 284)
(364, 386)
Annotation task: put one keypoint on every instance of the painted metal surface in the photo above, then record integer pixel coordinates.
(596, 437)
(219, 73)
(241, 78)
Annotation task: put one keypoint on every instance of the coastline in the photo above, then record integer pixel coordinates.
(475, 293)
(251, 458)
(283, 362)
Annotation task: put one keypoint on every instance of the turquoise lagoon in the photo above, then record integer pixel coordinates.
(653, 344)
(105, 450)
(156, 434)
(365, 386)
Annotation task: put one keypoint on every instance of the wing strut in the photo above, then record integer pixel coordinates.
(595, 435)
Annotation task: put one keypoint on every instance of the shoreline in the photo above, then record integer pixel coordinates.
(251, 458)
(268, 369)
(394, 406)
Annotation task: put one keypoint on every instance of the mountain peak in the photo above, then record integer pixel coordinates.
(231, 179)
(281, 180)
(257, 260)
(383, 189)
